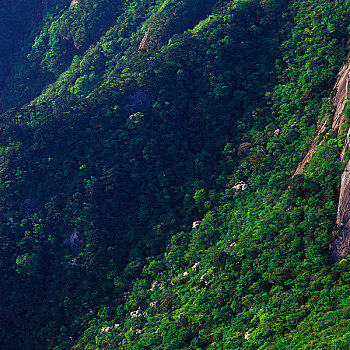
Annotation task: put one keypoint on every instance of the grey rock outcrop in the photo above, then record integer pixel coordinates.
(342, 91)
(341, 245)
(74, 241)
(145, 41)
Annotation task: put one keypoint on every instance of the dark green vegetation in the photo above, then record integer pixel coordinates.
(125, 146)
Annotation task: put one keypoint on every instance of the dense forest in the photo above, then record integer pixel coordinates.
(149, 197)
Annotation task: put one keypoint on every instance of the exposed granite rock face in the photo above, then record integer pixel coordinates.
(145, 42)
(342, 88)
(341, 245)
(343, 213)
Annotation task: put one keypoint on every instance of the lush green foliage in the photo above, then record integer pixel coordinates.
(110, 151)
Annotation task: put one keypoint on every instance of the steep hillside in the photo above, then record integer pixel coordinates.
(17, 20)
(147, 196)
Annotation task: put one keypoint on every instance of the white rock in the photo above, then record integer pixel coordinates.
(136, 314)
(196, 224)
(240, 186)
(195, 267)
(277, 132)
(153, 304)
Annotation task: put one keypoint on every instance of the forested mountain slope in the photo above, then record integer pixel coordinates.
(147, 197)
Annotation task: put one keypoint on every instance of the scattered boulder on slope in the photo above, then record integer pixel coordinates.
(196, 224)
(240, 186)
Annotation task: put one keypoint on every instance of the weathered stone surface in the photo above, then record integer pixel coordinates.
(339, 102)
(144, 44)
(341, 245)
(343, 213)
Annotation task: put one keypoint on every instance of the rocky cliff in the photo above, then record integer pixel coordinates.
(341, 244)
(342, 90)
